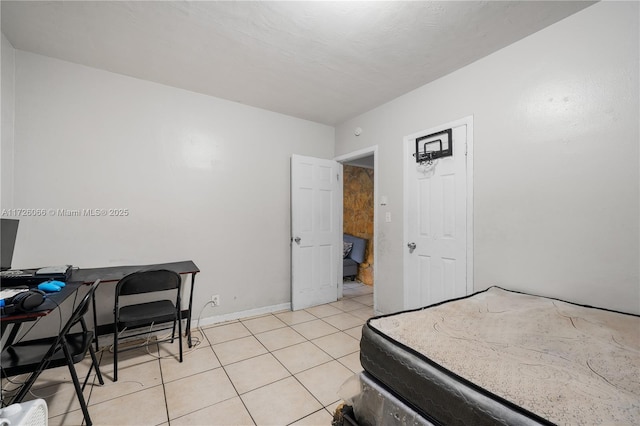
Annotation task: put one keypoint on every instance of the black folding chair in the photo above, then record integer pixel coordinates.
(35, 356)
(148, 314)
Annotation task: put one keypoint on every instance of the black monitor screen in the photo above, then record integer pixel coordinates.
(8, 234)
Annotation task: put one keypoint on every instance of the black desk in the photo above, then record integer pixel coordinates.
(115, 273)
(51, 302)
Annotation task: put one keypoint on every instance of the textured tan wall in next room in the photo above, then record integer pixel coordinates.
(358, 213)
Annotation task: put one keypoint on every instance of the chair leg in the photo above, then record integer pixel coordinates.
(94, 358)
(173, 331)
(115, 354)
(180, 336)
(76, 384)
(24, 389)
(95, 321)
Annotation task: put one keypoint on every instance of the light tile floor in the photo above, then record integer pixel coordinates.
(277, 369)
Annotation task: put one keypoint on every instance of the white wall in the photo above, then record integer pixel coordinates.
(556, 185)
(202, 179)
(7, 105)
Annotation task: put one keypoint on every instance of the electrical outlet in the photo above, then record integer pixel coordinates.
(215, 300)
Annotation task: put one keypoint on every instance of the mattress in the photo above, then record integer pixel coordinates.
(502, 357)
(373, 404)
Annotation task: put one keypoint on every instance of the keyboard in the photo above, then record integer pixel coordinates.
(8, 293)
(17, 277)
(15, 273)
(31, 277)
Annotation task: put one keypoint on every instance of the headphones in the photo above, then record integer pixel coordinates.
(23, 302)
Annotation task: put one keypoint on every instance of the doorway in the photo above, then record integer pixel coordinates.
(359, 215)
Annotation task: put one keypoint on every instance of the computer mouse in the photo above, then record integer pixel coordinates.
(49, 287)
(56, 282)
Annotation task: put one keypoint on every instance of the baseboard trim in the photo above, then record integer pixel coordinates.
(107, 329)
(216, 319)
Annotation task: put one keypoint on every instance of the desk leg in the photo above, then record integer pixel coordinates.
(15, 327)
(193, 280)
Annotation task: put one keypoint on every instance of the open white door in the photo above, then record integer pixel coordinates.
(316, 249)
(438, 250)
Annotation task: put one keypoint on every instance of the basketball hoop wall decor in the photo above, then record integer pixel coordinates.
(433, 148)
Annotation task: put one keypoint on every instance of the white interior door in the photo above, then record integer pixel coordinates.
(436, 240)
(316, 249)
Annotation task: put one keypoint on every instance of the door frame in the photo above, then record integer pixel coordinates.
(361, 153)
(408, 148)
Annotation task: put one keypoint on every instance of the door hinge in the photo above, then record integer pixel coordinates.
(338, 177)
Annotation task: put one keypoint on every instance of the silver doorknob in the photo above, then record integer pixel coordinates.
(412, 247)
(297, 240)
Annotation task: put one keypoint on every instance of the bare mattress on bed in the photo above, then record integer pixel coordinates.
(502, 357)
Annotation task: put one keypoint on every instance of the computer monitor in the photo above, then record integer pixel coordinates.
(8, 232)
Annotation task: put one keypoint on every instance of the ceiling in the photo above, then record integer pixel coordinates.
(321, 61)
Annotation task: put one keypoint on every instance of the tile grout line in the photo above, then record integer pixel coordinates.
(164, 389)
(291, 374)
(238, 395)
(353, 291)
